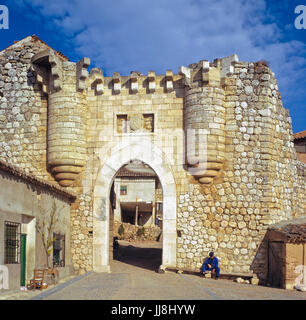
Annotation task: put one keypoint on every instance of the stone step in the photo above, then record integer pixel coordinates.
(223, 275)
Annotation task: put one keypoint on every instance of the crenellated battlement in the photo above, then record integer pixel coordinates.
(202, 82)
(205, 87)
(97, 80)
(137, 82)
(204, 71)
(82, 73)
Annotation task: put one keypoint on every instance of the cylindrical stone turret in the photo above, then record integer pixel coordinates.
(204, 122)
(66, 128)
(64, 83)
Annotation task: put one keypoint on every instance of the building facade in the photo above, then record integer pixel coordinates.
(299, 139)
(27, 205)
(287, 254)
(216, 134)
(135, 197)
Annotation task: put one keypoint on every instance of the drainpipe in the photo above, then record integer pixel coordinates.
(153, 214)
(136, 216)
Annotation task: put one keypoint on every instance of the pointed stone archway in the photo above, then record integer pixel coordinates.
(145, 151)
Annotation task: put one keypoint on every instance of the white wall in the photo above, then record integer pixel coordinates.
(143, 189)
(24, 203)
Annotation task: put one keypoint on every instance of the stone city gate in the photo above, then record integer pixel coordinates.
(76, 128)
(121, 155)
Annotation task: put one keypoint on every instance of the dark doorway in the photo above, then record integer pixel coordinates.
(128, 216)
(276, 256)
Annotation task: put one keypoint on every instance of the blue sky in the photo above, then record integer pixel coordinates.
(143, 35)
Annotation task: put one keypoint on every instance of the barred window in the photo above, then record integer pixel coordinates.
(58, 250)
(12, 242)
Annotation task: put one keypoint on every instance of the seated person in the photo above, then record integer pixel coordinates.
(211, 264)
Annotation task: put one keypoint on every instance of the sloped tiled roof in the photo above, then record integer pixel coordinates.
(299, 135)
(123, 172)
(34, 38)
(294, 230)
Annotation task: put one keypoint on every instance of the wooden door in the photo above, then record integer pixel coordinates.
(276, 257)
(23, 250)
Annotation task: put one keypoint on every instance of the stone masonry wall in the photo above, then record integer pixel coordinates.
(299, 186)
(132, 232)
(23, 111)
(231, 216)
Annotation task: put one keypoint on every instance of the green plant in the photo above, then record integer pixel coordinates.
(140, 232)
(45, 227)
(121, 230)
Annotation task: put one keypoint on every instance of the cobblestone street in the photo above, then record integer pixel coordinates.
(134, 277)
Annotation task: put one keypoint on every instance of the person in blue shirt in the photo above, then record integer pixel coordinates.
(211, 264)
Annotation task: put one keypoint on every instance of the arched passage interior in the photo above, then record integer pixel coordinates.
(148, 153)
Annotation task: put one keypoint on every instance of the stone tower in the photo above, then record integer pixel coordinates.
(63, 83)
(204, 119)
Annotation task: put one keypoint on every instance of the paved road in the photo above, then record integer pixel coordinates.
(134, 277)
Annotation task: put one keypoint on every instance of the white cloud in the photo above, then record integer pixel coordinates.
(126, 35)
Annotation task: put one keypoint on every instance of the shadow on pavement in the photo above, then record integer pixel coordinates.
(147, 258)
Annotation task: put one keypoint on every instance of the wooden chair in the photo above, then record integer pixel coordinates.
(38, 279)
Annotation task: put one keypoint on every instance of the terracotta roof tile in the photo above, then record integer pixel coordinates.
(36, 39)
(299, 135)
(123, 172)
(294, 230)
